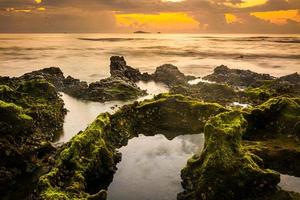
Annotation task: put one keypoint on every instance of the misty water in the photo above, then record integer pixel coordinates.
(86, 56)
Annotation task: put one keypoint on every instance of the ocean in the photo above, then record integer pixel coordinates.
(86, 56)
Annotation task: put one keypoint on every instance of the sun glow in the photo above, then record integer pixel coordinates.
(166, 22)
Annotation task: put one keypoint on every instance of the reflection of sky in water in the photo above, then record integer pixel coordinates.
(193, 54)
(150, 167)
(290, 183)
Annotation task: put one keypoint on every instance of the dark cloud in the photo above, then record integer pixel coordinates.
(98, 15)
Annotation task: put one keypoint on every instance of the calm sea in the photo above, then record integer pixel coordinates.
(86, 56)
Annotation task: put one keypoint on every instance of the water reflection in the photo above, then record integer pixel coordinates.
(290, 183)
(150, 167)
(81, 113)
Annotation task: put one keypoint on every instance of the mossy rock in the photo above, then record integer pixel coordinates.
(87, 160)
(31, 113)
(224, 169)
(13, 120)
(85, 166)
(277, 116)
(168, 114)
(209, 92)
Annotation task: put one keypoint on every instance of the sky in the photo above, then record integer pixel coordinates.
(166, 16)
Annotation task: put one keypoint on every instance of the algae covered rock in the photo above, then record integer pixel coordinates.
(236, 77)
(209, 92)
(31, 114)
(170, 75)
(84, 167)
(170, 115)
(120, 86)
(273, 134)
(277, 116)
(224, 169)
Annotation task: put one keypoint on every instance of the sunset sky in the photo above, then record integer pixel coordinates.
(168, 16)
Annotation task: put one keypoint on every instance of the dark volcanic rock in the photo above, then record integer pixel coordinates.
(113, 88)
(118, 67)
(236, 77)
(210, 92)
(120, 86)
(52, 74)
(170, 75)
(292, 78)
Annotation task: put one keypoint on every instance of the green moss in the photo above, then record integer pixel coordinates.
(209, 92)
(31, 112)
(258, 94)
(86, 159)
(225, 170)
(277, 116)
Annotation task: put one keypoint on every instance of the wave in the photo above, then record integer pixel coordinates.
(111, 39)
(27, 48)
(200, 54)
(259, 39)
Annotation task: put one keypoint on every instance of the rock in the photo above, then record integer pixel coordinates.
(118, 67)
(292, 78)
(278, 116)
(224, 169)
(85, 166)
(209, 92)
(272, 134)
(53, 75)
(236, 77)
(170, 75)
(120, 86)
(31, 114)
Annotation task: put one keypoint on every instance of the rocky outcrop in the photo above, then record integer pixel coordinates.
(31, 115)
(224, 169)
(119, 67)
(85, 166)
(273, 134)
(278, 116)
(236, 77)
(120, 86)
(210, 92)
(170, 75)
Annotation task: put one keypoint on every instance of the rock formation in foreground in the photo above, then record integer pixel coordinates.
(227, 168)
(245, 149)
(31, 115)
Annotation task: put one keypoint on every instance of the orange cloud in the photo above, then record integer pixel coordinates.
(165, 22)
(23, 10)
(231, 18)
(247, 3)
(278, 17)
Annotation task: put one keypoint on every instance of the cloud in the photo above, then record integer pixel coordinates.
(102, 15)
